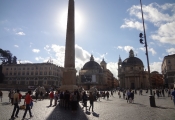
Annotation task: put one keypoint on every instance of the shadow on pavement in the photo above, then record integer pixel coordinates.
(164, 107)
(59, 113)
(5, 103)
(95, 114)
(141, 105)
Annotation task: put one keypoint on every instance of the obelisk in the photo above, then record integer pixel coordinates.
(69, 73)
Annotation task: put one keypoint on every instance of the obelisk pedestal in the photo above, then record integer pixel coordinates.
(69, 73)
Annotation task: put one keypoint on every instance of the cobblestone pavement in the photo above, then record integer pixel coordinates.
(112, 109)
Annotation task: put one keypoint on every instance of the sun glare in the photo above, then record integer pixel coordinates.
(63, 21)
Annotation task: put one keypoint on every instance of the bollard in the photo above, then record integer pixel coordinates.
(152, 101)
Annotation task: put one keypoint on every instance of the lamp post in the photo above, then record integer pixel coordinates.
(152, 99)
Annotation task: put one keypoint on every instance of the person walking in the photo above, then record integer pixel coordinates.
(51, 96)
(91, 100)
(85, 98)
(11, 96)
(1, 95)
(173, 96)
(107, 95)
(27, 101)
(15, 103)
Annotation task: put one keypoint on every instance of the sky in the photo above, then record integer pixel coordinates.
(35, 30)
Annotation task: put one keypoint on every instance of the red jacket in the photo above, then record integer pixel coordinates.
(51, 95)
(28, 99)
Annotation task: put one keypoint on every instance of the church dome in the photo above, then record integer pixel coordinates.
(92, 65)
(132, 61)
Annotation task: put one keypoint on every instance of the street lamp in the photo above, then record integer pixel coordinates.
(152, 99)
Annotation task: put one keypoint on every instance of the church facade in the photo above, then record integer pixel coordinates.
(94, 74)
(131, 73)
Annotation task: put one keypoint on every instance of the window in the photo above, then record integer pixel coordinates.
(32, 68)
(31, 73)
(10, 73)
(36, 73)
(28, 68)
(41, 68)
(131, 68)
(41, 73)
(27, 82)
(19, 68)
(45, 73)
(27, 73)
(169, 61)
(19, 73)
(23, 68)
(14, 73)
(7, 68)
(169, 67)
(36, 82)
(23, 73)
(14, 68)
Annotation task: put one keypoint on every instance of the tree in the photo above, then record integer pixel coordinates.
(6, 57)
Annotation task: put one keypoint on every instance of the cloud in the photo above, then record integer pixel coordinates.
(57, 54)
(155, 66)
(36, 50)
(16, 46)
(20, 33)
(23, 61)
(161, 16)
(126, 48)
(132, 24)
(152, 51)
(113, 68)
(170, 51)
(149, 49)
(39, 58)
(165, 33)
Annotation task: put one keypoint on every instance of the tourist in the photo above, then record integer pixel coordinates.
(74, 99)
(66, 99)
(85, 98)
(107, 95)
(15, 103)
(128, 95)
(41, 95)
(36, 96)
(157, 93)
(61, 103)
(27, 102)
(55, 98)
(119, 95)
(163, 92)
(11, 96)
(173, 96)
(169, 93)
(91, 100)
(20, 96)
(124, 94)
(51, 96)
(1, 95)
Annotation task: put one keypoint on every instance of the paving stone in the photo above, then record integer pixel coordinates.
(112, 109)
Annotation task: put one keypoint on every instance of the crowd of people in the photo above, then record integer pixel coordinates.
(70, 100)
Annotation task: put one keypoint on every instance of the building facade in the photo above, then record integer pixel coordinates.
(131, 73)
(168, 70)
(94, 74)
(32, 74)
